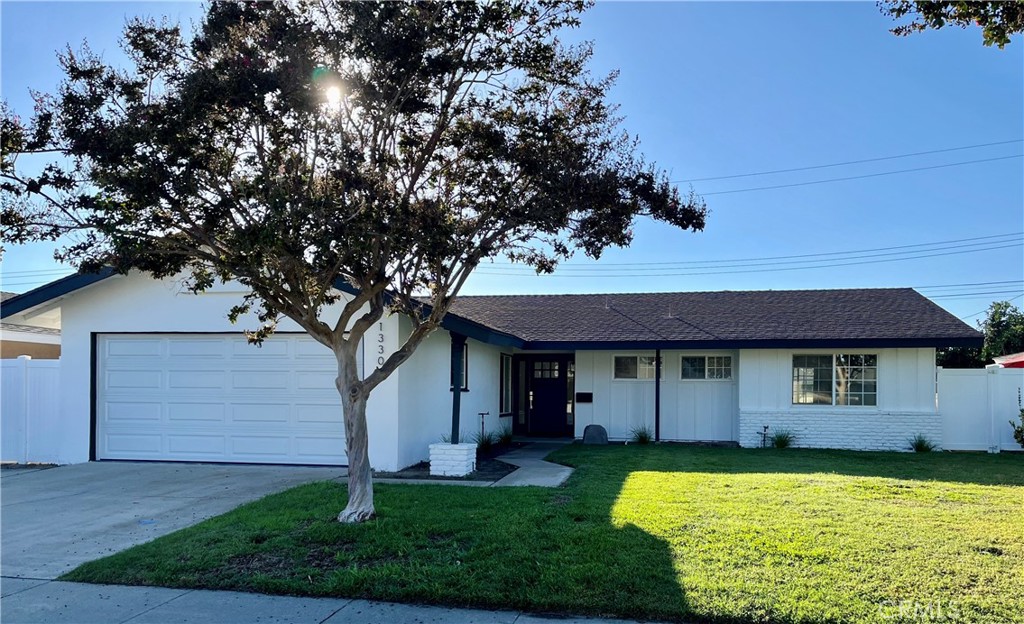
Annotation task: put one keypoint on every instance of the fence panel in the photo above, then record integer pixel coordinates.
(29, 401)
(976, 407)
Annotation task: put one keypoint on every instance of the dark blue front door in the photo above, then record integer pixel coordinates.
(549, 402)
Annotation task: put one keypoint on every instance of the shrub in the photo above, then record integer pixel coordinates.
(641, 434)
(505, 435)
(485, 441)
(921, 444)
(783, 438)
(1018, 428)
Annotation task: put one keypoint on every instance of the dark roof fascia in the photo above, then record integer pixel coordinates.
(453, 322)
(51, 291)
(804, 343)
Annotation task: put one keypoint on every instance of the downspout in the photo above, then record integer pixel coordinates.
(458, 351)
(657, 395)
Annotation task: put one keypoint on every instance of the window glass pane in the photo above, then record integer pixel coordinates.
(693, 368)
(506, 384)
(719, 367)
(646, 367)
(812, 379)
(625, 366)
(855, 379)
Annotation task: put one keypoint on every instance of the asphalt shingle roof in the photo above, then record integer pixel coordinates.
(728, 316)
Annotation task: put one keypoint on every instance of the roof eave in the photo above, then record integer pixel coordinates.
(795, 343)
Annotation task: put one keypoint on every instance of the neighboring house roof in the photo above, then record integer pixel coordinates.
(29, 329)
(874, 317)
(864, 317)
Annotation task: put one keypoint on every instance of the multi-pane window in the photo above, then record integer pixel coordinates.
(545, 370)
(505, 383)
(707, 367)
(838, 379)
(634, 367)
(465, 370)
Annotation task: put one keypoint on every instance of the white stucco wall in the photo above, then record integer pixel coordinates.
(137, 303)
(425, 398)
(906, 402)
(692, 410)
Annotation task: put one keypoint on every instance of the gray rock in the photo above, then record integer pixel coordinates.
(595, 434)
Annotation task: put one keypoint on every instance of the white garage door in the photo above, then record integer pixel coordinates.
(214, 397)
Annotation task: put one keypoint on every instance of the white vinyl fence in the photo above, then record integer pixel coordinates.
(29, 410)
(976, 407)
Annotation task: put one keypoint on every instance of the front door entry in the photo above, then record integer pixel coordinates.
(549, 384)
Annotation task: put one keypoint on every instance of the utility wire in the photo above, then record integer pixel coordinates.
(848, 162)
(821, 266)
(986, 309)
(813, 255)
(861, 177)
(848, 256)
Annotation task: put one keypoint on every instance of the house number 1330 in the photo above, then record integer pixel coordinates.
(380, 344)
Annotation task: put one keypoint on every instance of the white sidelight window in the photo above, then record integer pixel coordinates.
(837, 379)
(706, 367)
(634, 367)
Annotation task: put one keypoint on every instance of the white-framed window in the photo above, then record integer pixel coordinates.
(505, 384)
(836, 379)
(633, 367)
(706, 367)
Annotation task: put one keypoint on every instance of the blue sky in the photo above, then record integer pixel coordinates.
(722, 89)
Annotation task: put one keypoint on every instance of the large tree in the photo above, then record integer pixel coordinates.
(997, 19)
(1003, 327)
(392, 146)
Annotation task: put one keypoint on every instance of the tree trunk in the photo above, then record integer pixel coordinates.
(360, 480)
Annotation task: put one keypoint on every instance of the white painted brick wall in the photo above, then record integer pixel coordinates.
(843, 429)
(452, 460)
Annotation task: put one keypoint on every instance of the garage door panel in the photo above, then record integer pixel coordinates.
(201, 348)
(141, 347)
(270, 348)
(260, 413)
(330, 414)
(260, 380)
(192, 412)
(126, 411)
(217, 398)
(197, 444)
(134, 379)
(188, 380)
(126, 445)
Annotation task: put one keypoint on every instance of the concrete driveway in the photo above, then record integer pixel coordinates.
(57, 518)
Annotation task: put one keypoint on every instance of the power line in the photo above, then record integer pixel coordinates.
(848, 162)
(975, 294)
(986, 309)
(813, 255)
(821, 266)
(1017, 281)
(851, 255)
(861, 177)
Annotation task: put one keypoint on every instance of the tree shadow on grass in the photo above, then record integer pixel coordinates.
(965, 468)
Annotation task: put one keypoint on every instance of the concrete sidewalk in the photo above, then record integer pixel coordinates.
(533, 470)
(27, 601)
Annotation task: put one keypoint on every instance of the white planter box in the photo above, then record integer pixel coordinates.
(452, 460)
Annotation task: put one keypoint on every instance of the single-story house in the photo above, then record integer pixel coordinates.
(40, 340)
(152, 372)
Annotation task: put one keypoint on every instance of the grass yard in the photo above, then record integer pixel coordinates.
(659, 532)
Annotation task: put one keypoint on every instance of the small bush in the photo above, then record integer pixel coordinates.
(1018, 428)
(505, 435)
(783, 438)
(485, 441)
(641, 434)
(921, 444)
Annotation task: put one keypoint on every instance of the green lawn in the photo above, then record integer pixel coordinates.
(661, 532)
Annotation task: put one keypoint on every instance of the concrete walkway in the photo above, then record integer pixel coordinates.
(533, 470)
(27, 601)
